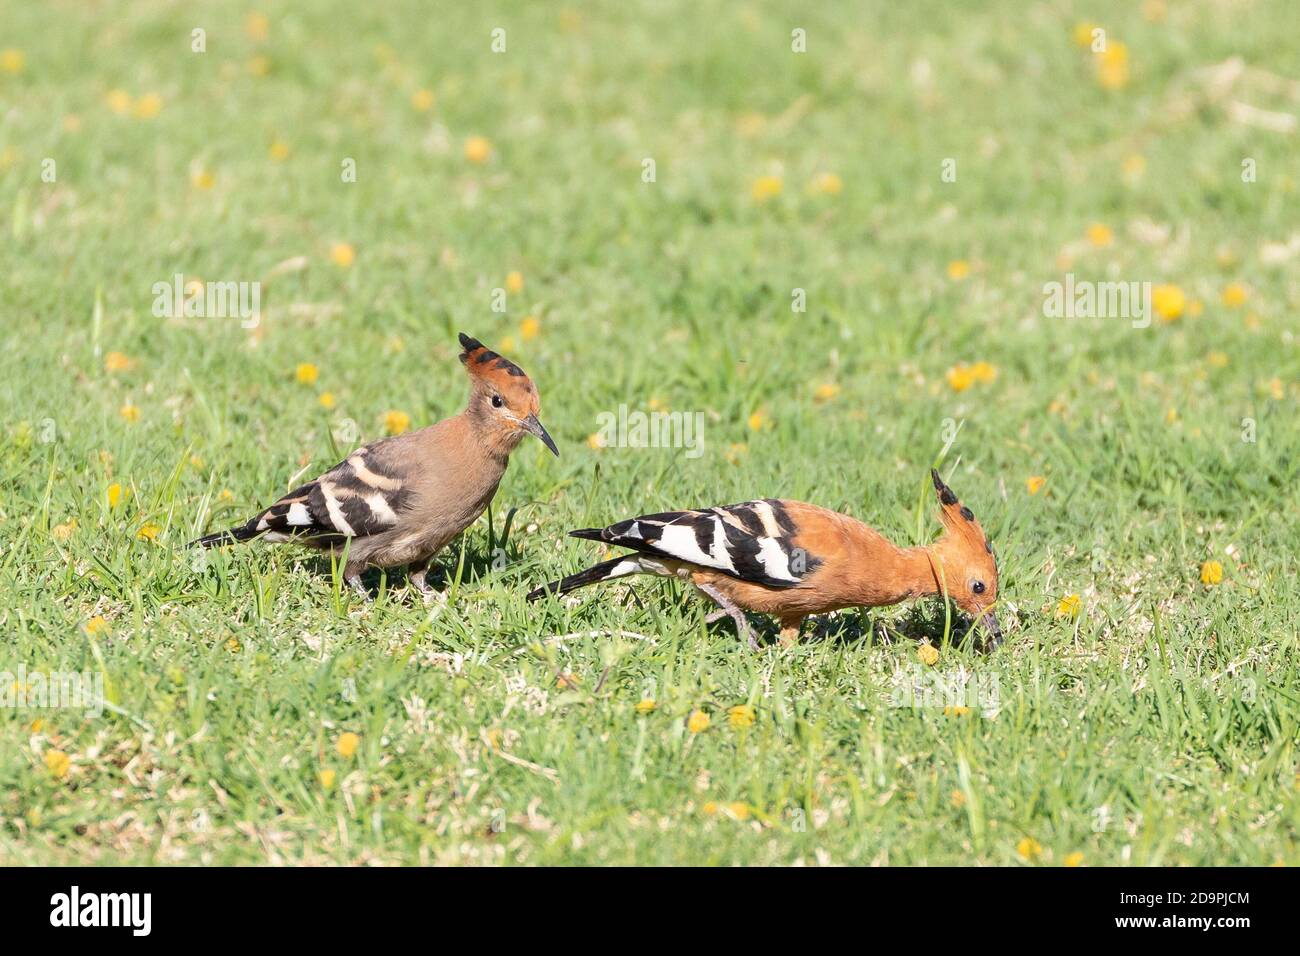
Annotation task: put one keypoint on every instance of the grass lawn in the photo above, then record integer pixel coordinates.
(259, 713)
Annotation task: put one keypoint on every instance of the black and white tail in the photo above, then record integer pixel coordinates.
(241, 532)
(613, 568)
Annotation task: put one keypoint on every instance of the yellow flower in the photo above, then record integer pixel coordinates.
(595, 440)
(422, 100)
(148, 106)
(306, 373)
(960, 377)
(766, 187)
(735, 452)
(1234, 295)
(58, 763)
(1218, 359)
(233, 646)
(507, 344)
(148, 532)
(37, 725)
(12, 61)
(1168, 301)
(1112, 66)
(119, 101)
(1029, 848)
(514, 282)
(958, 269)
(1069, 606)
(202, 179)
(828, 184)
(97, 626)
(1211, 573)
(698, 722)
(63, 532)
(826, 391)
(478, 149)
(1073, 859)
(1034, 484)
(958, 799)
(326, 778)
(259, 65)
(342, 255)
(326, 400)
(929, 654)
(257, 26)
(396, 422)
(957, 711)
(740, 716)
(530, 328)
(759, 420)
(709, 808)
(983, 372)
(646, 706)
(1275, 389)
(279, 151)
(347, 744)
(226, 495)
(738, 810)
(130, 412)
(1083, 34)
(1100, 235)
(117, 494)
(117, 362)
(1133, 167)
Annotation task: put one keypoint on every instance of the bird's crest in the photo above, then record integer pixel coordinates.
(958, 520)
(482, 363)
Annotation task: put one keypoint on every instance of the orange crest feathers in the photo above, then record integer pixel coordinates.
(958, 520)
(482, 363)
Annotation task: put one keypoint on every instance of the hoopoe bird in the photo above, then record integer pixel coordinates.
(791, 559)
(400, 499)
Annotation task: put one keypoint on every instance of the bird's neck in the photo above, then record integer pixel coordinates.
(885, 573)
(488, 436)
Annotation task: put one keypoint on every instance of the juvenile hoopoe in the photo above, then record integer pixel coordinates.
(399, 500)
(791, 559)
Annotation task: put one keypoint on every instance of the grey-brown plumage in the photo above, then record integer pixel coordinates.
(400, 500)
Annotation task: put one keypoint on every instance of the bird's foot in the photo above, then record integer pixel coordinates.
(421, 581)
(732, 610)
(354, 581)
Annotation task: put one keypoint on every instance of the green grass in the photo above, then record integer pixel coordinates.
(1172, 705)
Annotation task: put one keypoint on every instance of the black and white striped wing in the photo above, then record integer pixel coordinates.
(358, 497)
(753, 541)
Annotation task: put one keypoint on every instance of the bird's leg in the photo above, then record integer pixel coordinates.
(352, 576)
(728, 607)
(418, 576)
(790, 630)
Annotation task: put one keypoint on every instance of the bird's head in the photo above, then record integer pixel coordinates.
(502, 400)
(964, 563)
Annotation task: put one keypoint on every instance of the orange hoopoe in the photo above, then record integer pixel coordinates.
(791, 559)
(399, 500)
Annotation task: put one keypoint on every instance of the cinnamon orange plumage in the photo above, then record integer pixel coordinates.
(791, 559)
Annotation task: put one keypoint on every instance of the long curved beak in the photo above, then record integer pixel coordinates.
(533, 425)
(990, 622)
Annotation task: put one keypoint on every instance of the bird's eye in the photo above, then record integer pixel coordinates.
(497, 402)
(977, 587)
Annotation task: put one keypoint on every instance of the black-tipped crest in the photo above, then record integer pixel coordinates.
(478, 358)
(946, 495)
